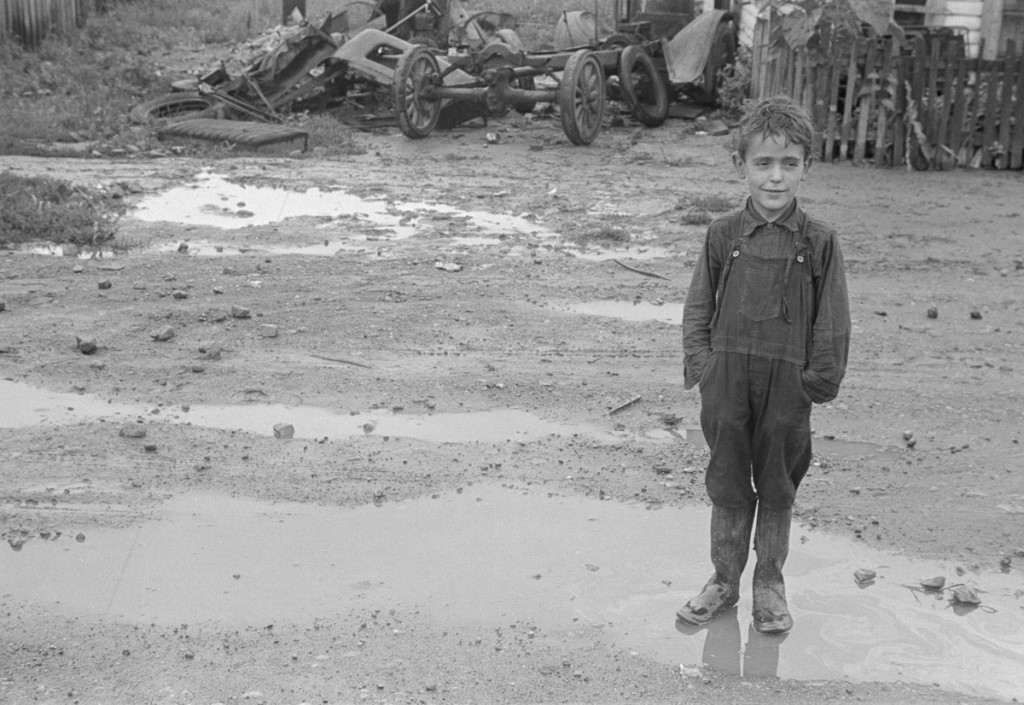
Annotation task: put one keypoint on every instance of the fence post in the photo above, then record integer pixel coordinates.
(1002, 160)
(1017, 141)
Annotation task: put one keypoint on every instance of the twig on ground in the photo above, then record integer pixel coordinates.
(338, 359)
(640, 271)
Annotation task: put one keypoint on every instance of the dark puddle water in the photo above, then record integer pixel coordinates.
(490, 556)
(24, 405)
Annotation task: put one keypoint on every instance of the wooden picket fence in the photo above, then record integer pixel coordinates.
(30, 21)
(917, 104)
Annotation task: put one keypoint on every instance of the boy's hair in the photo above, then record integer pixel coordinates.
(775, 116)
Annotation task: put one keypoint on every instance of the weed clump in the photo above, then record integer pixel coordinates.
(46, 209)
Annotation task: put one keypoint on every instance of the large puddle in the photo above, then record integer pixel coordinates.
(24, 405)
(491, 555)
(214, 201)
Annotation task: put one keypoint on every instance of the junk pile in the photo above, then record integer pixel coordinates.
(343, 65)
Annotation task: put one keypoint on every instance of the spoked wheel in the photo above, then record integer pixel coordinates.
(642, 86)
(581, 97)
(417, 110)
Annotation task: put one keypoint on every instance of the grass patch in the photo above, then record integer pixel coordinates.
(701, 209)
(51, 210)
(604, 234)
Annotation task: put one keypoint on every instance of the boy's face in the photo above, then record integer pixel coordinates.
(773, 171)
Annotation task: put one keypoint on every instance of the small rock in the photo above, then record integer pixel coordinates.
(183, 247)
(964, 595)
(218, 290)
(80, 537)
(933, 312)
(936, 583)
(864, 575)
(132, 431)
(105, 284)
(268, 330)
(3, 305)
(87, 346)
(140, 285)
(284, 430)
(162, 334)
(149, 447)
(240, 312)
(210, 351)
(976, 315)
(78, 269)
(198, 369)
(179, 294)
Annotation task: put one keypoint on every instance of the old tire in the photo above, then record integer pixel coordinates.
(581, 97)
(722, 54)
(172, 106)
(415, 109)
(642, 87)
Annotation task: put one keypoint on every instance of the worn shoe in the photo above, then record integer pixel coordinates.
(714, 598)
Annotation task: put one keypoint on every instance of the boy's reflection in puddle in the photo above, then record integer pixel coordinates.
(724, 652)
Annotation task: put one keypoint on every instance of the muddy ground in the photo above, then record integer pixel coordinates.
(497, 334)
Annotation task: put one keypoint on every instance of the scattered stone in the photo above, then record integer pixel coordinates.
(933, 312)
(210, 351)
(3, 305)
(198, 369)
(864, 575)
(240, 312)
(976, 315)
(87, 346)
(179, 294)
(149, 447)
(183, 247)
(78, 269)
(162, 334)
(218, 290)
(936, 583)
(80, 537)
(105, 284)
(964, 595)
(268, 330)
(139, 285)
(132, 431)
(284, 430)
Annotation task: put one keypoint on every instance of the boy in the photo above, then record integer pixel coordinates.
(766, 331)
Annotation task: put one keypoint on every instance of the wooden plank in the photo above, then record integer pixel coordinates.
(944, 153)
(988, 133)
(917, 131)
(929, 108)
(885, 85)
(851, 84)
(960, 98)
(1002, 160)
(866, 102)
(991, 24)
(817, 92)
(798, 75)
(899, 126)
(833, 71)
(1017, 140)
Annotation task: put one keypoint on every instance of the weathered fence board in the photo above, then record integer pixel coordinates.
(893, 103)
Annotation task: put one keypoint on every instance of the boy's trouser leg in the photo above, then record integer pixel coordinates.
(730, 546)
(771, 543)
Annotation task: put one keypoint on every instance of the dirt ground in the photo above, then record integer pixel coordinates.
(497, 334)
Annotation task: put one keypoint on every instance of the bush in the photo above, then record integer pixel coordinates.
(45, 209)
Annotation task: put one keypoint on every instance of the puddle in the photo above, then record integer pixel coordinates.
(494, 556)
(629, 311)
(214, 201)
(27, 406)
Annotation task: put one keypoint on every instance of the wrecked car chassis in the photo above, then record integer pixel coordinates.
(500, 78)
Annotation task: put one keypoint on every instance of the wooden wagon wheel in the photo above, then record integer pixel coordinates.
(416, 109)
(581, 97)
(642, 87)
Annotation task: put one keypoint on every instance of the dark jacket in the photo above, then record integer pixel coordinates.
(777, 290)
